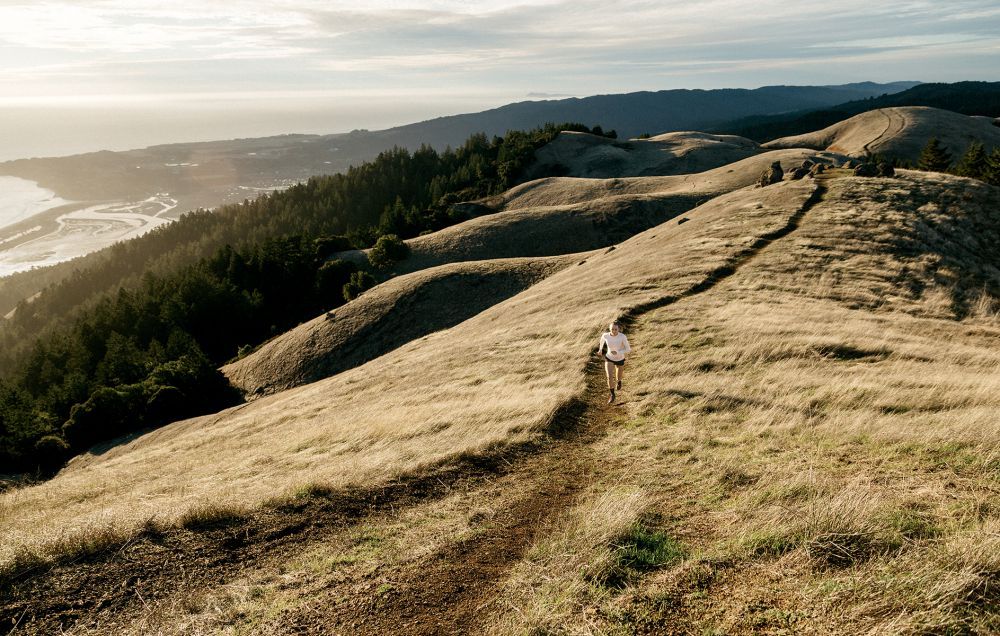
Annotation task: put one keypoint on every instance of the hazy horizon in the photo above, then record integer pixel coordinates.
(64, 129)
(78, 76)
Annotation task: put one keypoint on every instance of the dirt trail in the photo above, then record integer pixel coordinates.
(124, 580)
(444, 593)
(895, 122)
(450, 591)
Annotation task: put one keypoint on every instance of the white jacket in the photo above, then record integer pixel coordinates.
(617, 346)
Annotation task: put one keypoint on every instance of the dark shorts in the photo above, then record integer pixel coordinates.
(617, 363)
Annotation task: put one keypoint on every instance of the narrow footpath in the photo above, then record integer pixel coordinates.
(447, 592)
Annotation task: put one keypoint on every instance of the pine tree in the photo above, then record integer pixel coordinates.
(973, 163)
(992, 174)
(934, 158)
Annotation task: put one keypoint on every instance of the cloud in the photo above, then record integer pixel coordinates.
(507, 47)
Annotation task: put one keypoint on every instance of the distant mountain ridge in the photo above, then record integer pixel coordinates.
(632, 114)
(210, 174)
(216, 172)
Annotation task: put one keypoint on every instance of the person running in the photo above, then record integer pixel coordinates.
(614, 359)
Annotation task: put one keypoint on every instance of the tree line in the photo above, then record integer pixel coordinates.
(976, 163)
(136, 341)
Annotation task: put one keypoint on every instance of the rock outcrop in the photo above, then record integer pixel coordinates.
(866, 170)
(772, 175)
(801, 171)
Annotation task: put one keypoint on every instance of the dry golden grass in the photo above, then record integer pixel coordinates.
(559, 192)
(562, 215)
(566, 572)
(687, 152)
(817, 432)
(258, 602)
(387, 316)
(897, 132)
(822, 429)
(496, 378)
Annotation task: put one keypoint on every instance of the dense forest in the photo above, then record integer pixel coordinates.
(968, 98)
(136, 342)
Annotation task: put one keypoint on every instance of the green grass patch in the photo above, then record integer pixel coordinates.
(769, 544)
(640, 550)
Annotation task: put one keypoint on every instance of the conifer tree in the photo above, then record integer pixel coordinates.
(935, 157)
(992, 174)
(973, 163)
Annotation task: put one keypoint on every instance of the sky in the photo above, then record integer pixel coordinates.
(78, 75)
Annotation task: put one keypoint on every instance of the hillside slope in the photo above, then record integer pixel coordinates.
(355, 415)
(562, 215)
(968, 98)
(633, 114)
(400, 310)
(807, 442)
(536, 223)
(897, 132)
(581, 155)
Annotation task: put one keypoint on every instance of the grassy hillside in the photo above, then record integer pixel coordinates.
(390, 315)
(540, 219)
(525, 369)
(398, 191)
(812, 438)
(806, 443)
(967, 98)
(209, 174)
(898, 133)
(581, 155)
(132, 342)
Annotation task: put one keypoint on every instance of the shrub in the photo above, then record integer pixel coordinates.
(51, 452)
(165, 404)
(328, 245)
(388, 250)
(107, 413)
(640, 550)
(331, 278)
(360, 281)
(204, 387)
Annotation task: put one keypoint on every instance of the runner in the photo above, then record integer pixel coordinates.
(614, 360)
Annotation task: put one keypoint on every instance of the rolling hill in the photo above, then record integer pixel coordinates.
(122, 194)
(897, 132)
(390, 315)
(805, 441)
(528, 228)
(212, 173)
(583, 155)
(967, 98)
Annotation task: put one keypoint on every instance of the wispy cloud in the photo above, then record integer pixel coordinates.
(505, 47)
